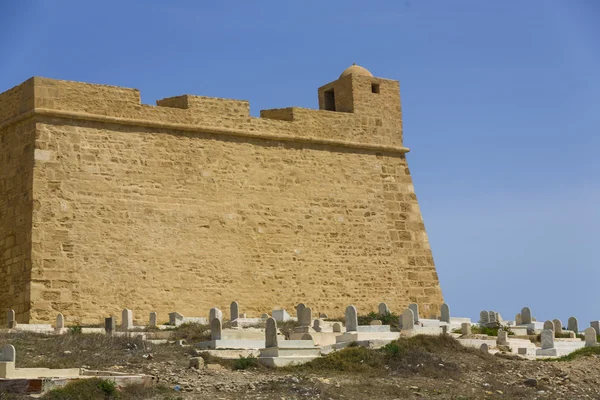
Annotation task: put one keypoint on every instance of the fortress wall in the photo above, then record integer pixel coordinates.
(16, 178)
(162, 220)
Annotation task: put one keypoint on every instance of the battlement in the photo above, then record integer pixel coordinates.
(365, 111)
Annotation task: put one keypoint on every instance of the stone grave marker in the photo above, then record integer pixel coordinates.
(383, 309)
(153, 319)
(304, 316)
(465, 328)
(215, 329)
(484, 317)
(595, 325)
(492, 317)
(126, 319)
(60, 321)
(415, 309)
(407, 320)
(573, 325)
(8, 353)
(299, 307)
(591, 337)
(445, 310)
(549, 325)
(557, 326)
(234, 311)
(110, 325)
(323, 316)
(10, 318)
(484, 348)
(547, 337)
(337, 327)
(215, 313)
(502, 337)
(376, 322)
(526, 316)
(518, 320)
(264, 316)
(351, 319)
(271, 333)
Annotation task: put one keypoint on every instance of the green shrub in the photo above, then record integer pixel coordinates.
(246, 362)
(386, 319)
(89, 389)
(75, 330)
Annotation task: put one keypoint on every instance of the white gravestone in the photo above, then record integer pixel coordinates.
(415, 309)
(351, 319)
(215, 313)
(407, 320)
(60, 321)
(465, 328)
(126, 319)
(518, 319)
(153, 319)
(591, 337)
(271, 333)
(549, 325)
(573, 325)
(547, 337)
(445, 310)
(383, 309)
(215, 329)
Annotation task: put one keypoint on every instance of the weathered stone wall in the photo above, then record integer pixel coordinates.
(16, 177)
(194, 204)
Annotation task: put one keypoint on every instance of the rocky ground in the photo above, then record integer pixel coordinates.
(423, 369)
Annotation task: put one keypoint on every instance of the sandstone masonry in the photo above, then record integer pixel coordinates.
(107, 203)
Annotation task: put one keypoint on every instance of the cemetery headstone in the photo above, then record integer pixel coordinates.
(465, 328)
(8, 353)
(492, 317)
(445, 310)
(526, 316)
(215, 313)
(484, 317)
(271, 333)
(153, 319)
(595, 325)
(557, 326)
(502, 337)
(549, 325)
(407, 320)
(376, 322)
(547, 337)
(518, 320)
(351, 319)
(591, 337)
(126, 319)
(415, 309)
(484, 348)
(234, 310)
(383, 309)
(337, 327)
(10, 318)
(573, 325)
(304, 316)
(215, 329)
(110, 325)
(60, 321)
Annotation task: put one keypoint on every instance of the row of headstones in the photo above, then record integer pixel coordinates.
(12, 322)
(591, 338)
(444, 311)
(408, 318)
(489, 317)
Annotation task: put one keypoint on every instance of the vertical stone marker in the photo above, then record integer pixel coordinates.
(595, 325)
(299, 307)
(234, 310)
(557, 326)
(215, 313)
(518, 320)
(271, 333)
(526, 316)
(337, 327)
(110, 325)
(484, 317)
(60, 321)
(304, 316)
(549, 325)
(215, 329)
(10, 319)
(8, 353)
(591, 337)
(383, 309)
(465, 328)
(573, 325)
(351, 319)
(415, 309)
(407, 320)
(484, 348)
(547, 337)
(153, 319)
(126, 319)
(502, 338)
(492, 317)
(445, 310)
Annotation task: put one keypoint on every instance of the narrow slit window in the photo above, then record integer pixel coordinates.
(329, 100)
(375, 87)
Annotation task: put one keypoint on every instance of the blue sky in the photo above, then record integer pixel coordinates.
(501, 103)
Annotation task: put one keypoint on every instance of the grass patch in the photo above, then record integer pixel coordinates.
(246, 363)
(386, 319)
(412, 356)
(191, 332)
(584, 352)
(92, 389)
